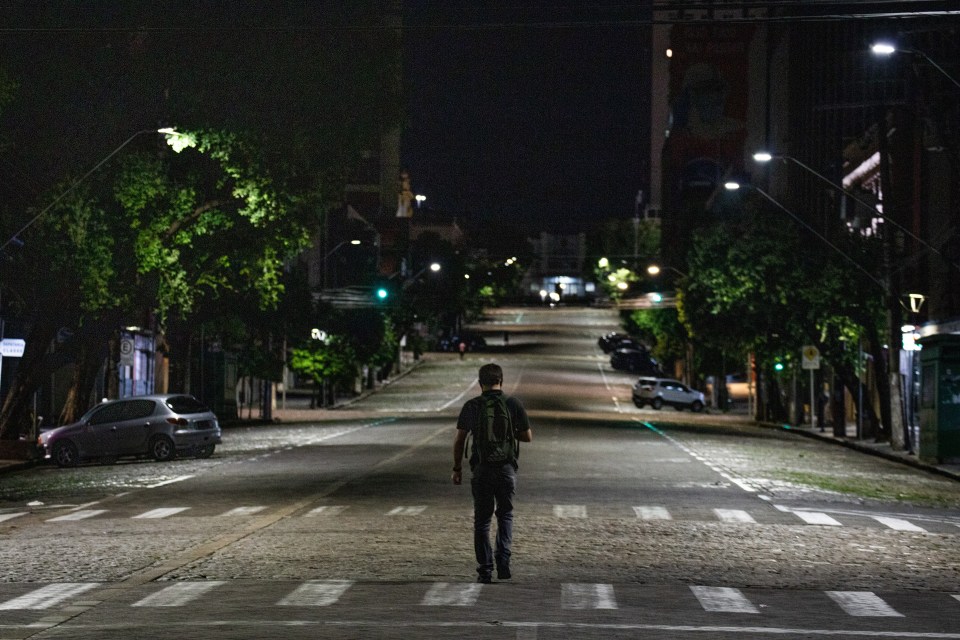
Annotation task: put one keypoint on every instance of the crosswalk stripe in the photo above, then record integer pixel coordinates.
(898, 524)
(48, 596)
(587, 596)
(244, 511)
(406, 511)
(156, 514)
(570, 511)
(863, 604)
(444, 594)
(326, 510)
(734, 515)
(78, 515)
(316, 593)
(652, 513)
(11, 516)
(957, 597)
(177, 595)
(816, 517)
(723, 600)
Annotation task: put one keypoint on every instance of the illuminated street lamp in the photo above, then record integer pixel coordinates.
(766, 156)
(655, 269)
(733, 186)
(175, 139)
(888, 49)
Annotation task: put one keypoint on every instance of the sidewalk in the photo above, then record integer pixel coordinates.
(882, 449)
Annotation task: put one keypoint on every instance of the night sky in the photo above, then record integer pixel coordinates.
(532, 115)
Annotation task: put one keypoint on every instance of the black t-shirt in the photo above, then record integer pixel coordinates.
(470, 416)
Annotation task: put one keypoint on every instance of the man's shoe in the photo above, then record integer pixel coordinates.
(484, 579)
(503, 573)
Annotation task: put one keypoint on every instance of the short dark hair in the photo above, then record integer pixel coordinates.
(490, 375)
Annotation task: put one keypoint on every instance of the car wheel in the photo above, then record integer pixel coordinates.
(657, 403)
(696, 407)
(638, 404)
(162, 448)
(205, 451)
(65, 454)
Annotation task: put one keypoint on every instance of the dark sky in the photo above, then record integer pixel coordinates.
(534, 115)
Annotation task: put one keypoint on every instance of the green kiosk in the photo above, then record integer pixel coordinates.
(940, 398)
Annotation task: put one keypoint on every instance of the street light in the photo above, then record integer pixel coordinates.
(433, 266)
(174, 139)
(766, 156)
(655, 269)
(733, 186)
(330, 253)
(888, 49)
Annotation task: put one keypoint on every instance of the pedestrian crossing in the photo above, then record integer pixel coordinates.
(568, 596)
(651, 513)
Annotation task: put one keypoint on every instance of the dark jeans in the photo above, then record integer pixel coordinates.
(493, 491)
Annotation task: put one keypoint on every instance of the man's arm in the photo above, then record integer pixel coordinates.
(521, 421)
(525, 436)
(459, 443)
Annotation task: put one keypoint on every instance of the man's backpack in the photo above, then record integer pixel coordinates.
(494, 441)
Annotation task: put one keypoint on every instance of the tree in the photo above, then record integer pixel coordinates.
(758, 286)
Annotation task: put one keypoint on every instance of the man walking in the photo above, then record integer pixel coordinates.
(498, 424)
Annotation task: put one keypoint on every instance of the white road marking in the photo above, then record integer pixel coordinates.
(723, 600)
(652, 513)
(316, 593)
(156, 514)
(863, 604)
(11, 516)
(444, 594)
(816, 517)
(48, 596)
(587, 596)
(734, 515)
(957, 597)
(244, 511)
(327, 510)
(406, 511)
(898, 524)
(78, 515)
(170, 481)
(179, 594)
(570, 511)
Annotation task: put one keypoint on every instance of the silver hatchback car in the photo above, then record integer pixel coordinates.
(159, 426)
(660, 391)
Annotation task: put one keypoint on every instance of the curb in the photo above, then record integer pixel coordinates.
(902, 458)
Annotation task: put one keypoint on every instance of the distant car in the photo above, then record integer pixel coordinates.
(608, 342)
(660, 391)
(159, 426)
(634, 361)
(474, 343)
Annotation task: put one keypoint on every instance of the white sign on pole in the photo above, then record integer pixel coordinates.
(12, 347)
(810, 357)
(127, 352)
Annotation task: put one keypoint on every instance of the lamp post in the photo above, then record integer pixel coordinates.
(888, 49)
(435, 267)
(173, 137)
(330, 253)
(765, 156)
(655, 269)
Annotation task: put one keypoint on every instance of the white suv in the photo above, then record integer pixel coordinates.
(660, 391)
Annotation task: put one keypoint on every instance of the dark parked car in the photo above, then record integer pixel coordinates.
(159, 426)
(473, 342)
(635, 361)
(613, 341)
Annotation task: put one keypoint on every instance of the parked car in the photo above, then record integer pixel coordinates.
(159, 426)
(609, 341)
(634, 361)
(473, 341)
(660, 391)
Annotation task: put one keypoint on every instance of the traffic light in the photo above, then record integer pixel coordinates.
(382, 293)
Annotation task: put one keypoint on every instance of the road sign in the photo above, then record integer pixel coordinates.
(12, 347)
(810, 357)
(127, 349)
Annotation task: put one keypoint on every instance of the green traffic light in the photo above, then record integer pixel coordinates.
(382, 293)
(778, 366)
